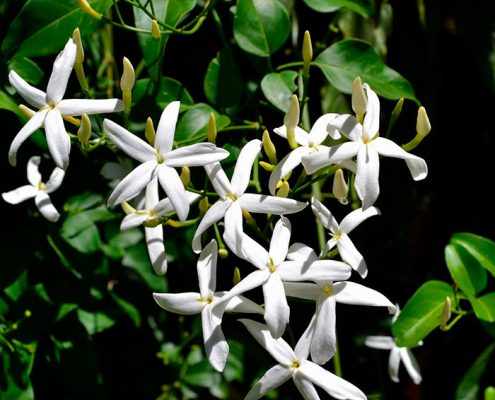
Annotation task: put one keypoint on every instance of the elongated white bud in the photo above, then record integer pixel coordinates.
(423, 126)
(212, 129)
(291, 120)
(84, 131)
(340, 188)
(307, 52)
(155, 30)
(359, 99)
(269, 147)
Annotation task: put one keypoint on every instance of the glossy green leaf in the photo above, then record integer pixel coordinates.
(136, 258)
(479, 247)
(170, 90)
(278, 88)
(27, 68)
(484, 307)
(44, 26)
(82, 202)
(94, 322)
(469, 386)
(363, 7)
(261, 27)
(170, 12)
(223, 81)
(131, 311)
(195, 120)
(6, 103)
(465, 270)
(342, 62)
(422, 313)
(16, 365)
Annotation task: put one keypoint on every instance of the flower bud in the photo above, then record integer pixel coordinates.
(237, 276)
(155, 30)
(28, 113)
(269, 148)
(87, 9)
(128, 209)
(307, 52)
(340, 188)
(76, 37)
(128, 76)
(423, 126)
(266, 166)
(185, 175)
(291, 120)
(203, 205)
(223, 252)
(446, 313)
(359, 99)
(212, 129)
(283, 190)
(149, 131)
(398, 107)
(84, 131)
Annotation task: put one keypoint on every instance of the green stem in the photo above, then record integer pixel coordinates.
(290, 65)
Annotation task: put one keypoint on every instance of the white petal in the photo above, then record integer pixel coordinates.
(258, 203)
(156, 249)
(33, 96)
(278, 348)
(18, 195)
(132, 221)
(322, 270)
(411, 364)
(329, 155)
(302, 290)
(332, 384)
(324, 216)
(34, 123)
(329, 246)
(216, 346)
(324, 342)
(277, 310)
(174, 188)
(58, 139)
(218, 179)
(279, 244)
(393, 364)
(351, 255)
(302, 136)
(55, 180)
(233, 230)
(354, 293)
(195, 155)
(417, 166)
(84, 106)
(46, 207)
(368, 169)
(305, 387)
(207, 269)
(180, 303)
(214, 214)
(62, 68)
(371, 123)
(164, 139)
(273, 378)
(319, 132)
(241, 304)
(152, 197)
(33, 174)
(244, 165)
(301, 252)
(129, 143)
(287, 164)
(348, 125)
(253, 252)
(303, 344)
(133, 183)
(380, 342)
(355, 218)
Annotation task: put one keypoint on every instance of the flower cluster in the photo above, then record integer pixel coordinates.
(283, 269)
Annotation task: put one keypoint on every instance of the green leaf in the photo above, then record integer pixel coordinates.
(170, 90)
(342, 62)
(94, 322)
(27, 68)
(470, 384)
(465, 270)
(194, 122)
(202, 374)
(363, 7)
(136, 257)
(261, 26)
(168, 11)
(484, 306)
(43, 27)
(82, 202)
(223, 81)
(16, 367)
(479, 247)
(234, 367)
(131, 311)
(422, 313)
(278, 88)
(6, 103)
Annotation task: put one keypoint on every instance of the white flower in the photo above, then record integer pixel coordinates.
(52, 108)
(294, 364)
(190, 303)
(153, 210)
(38, 189)
(367, 145)
(233, 200)
(340, 233)
(273, 270)
(326, 294)
(159, 160)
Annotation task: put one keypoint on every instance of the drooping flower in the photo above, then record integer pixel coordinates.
(190, 303)
(52, 108)
(37, 189)
(365, 143)
(294, 363)
(159, 160)
(233, 199)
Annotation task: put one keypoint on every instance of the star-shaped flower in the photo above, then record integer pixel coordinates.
(340, 233)
(52, 108)
(233, 199)
(367, 145)
(273, 270)
(159, 160)
(190, 303)
(294, 364)
(38, 189)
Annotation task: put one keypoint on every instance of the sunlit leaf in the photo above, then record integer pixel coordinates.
(27, 68)
(195, 120)
(279, 87)
(481, 248)
(484, 307)
(466, 271)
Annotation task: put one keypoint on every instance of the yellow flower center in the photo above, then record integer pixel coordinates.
(159, 157)
(271, 265)
(41, 186)
(295, 364)
(328, 290)
(231, 196)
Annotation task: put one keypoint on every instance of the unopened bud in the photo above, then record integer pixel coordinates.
(223, 252)
(307, 52)
(84, 131)
(203, 205)
(76, 37)
(269, 148)
(423, 126)
(340, 188)
(266, 166)
(359, 99)
(248, 217)
(446, 313)
(128, 77)
(27, 313)
(291, 120)
(155, 30)
(490, 393)
(153, 222)
(87, 9)
(128, 209)
(398, 107)
(149, 131)
(28, 113)
(283, 190)
(185, 175)
(212, 129)
(237, 275)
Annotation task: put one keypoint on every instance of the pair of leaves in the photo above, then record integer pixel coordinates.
(362, 7)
